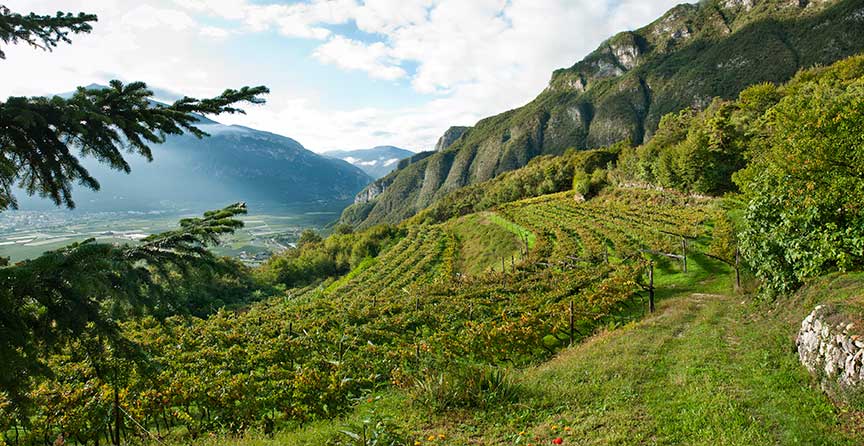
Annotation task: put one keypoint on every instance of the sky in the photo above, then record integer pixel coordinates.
(343, 74)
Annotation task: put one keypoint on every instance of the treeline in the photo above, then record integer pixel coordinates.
(316, 258)
(792, 155)
(543, 175)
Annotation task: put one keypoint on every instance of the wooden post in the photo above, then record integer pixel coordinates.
(684, 253)
(651, 287)
(571, 322)
(737, 269)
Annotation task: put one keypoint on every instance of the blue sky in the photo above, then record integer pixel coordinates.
(344, 74)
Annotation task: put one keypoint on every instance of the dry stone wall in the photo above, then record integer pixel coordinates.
(829, 347)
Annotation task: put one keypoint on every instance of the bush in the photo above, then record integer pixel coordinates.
(805, 184)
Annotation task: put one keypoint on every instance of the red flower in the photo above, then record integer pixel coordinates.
(558, 440)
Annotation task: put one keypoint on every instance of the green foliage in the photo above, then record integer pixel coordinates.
(315, 259)
(41, 31)
(101, 123)
(543, 175)
(308, 236)
(691, 152)
(724, 239)
(589, 184)
(805, 182)
(342, 228)
(465, 386)
(83, 291)
(374, 430)
(395, 321)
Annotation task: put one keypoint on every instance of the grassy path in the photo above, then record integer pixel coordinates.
(703, 371)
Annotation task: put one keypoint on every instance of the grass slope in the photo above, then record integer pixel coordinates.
(483, 242)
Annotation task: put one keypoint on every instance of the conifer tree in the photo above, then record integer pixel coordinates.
(87, 288)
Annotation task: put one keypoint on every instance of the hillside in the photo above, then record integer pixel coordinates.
(376, 162)
(703, 287)
(412, 340)
(233, 164)
(706, 369)
(690, 55)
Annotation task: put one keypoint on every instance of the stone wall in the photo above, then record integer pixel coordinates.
(829, 348)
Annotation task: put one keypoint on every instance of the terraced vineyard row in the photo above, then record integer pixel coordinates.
(623, 228)
(415, 259)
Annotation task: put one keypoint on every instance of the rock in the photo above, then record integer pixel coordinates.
(449, 137)
(829, 351)
(370, 192)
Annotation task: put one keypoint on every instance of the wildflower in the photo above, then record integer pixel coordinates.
(417, 443)
(431, 438)
(441, 436)
(558, 440)
(521, 433)
(567, 428)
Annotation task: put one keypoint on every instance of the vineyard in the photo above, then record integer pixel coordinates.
(395, 321)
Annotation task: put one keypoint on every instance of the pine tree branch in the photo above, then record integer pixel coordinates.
(38, 135)
(41, 31)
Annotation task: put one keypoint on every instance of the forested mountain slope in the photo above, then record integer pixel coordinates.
(693, 53)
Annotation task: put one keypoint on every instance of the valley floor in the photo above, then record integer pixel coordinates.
(706, 369)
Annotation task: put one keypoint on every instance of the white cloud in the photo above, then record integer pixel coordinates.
(354, 55)
(478, 57)
(386, 16)
(214, 32)
(301, 20)
(148, 17)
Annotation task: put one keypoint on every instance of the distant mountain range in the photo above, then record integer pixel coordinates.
(234, 163)
(684, 59)
(377, 161)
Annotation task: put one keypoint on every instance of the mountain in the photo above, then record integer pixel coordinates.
(234, 163)
(691, 54)
(377, 161)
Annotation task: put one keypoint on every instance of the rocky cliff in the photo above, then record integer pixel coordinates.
(691, 54)
(449, 137)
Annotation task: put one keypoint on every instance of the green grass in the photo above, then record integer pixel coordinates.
(364, 264)
(520, 231)
(485, 239)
